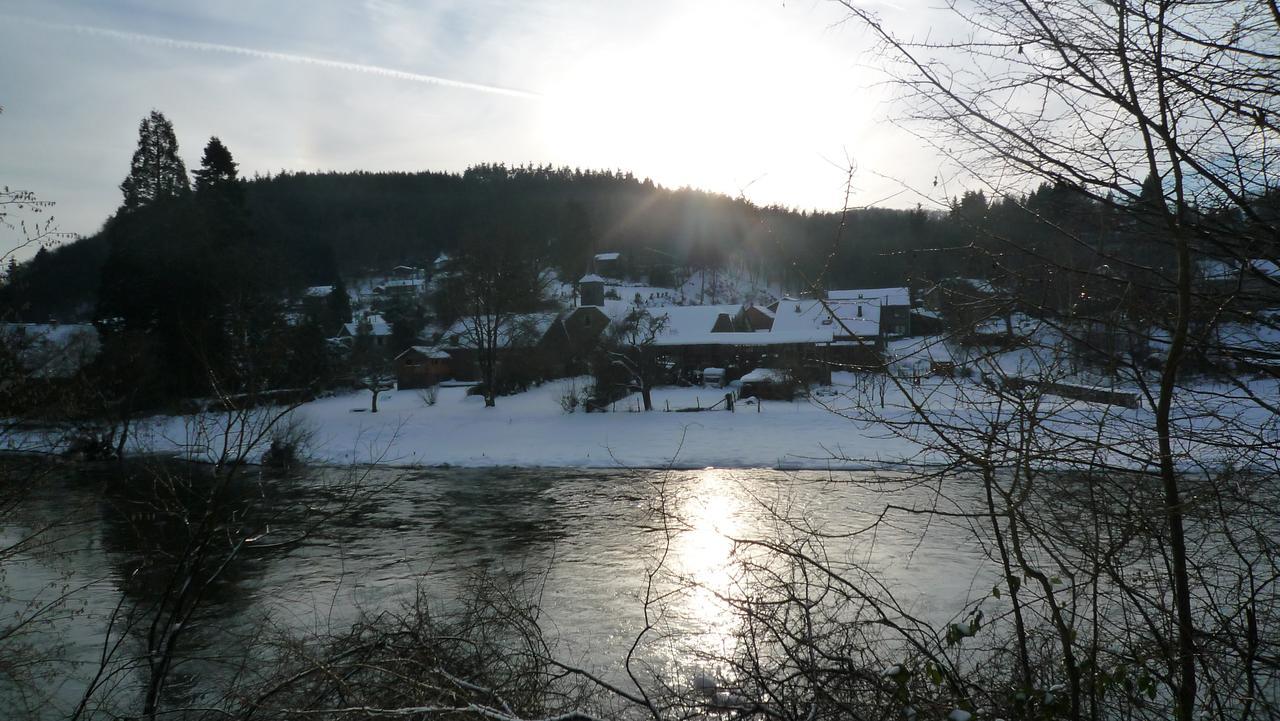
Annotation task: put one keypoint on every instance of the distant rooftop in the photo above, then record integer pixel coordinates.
(885, 296)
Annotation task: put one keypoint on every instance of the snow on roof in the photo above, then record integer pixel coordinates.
(883, 296)
(318, 291)
(765, 375)
(607, 256)
(746, 338)
(835, 317)
(516, 331)
(691, 324)
(591, 278)
(1216, 269)
(404, 283)
(428, 351)
(618, 309)
(378, 326)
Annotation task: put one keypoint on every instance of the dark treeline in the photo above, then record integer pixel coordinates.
(323, 225)
(313, 228)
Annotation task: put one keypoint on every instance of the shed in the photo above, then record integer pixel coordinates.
(421, 367)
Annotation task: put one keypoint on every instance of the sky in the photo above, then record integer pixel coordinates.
(767, 99)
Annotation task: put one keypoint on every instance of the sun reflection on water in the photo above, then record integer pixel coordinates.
(710, 514)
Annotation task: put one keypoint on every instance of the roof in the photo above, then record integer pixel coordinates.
(591, 278)
(377, 326)
(691, 324)
(607, 256)
(1214, 269)
(404, 283)
(883, 296)
(765, 375)
(746, 338)
(516, 331)
(427, 351)
(834, 317)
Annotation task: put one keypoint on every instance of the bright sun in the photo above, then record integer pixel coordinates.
(729, 101)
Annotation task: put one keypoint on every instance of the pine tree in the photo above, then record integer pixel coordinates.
(217, 173)
(156, 172)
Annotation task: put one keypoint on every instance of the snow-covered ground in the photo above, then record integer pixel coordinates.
(859, 421)
(531, 429)
(835, 428)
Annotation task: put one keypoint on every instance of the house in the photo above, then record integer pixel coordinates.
(378, 329)
(893, 307)
(608, 264)
(702, 336)
(400, 288)
(422, 367)
(843, 332)
(519, 336)
(964, 303)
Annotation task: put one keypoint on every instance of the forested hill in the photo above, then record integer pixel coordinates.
(319, 225)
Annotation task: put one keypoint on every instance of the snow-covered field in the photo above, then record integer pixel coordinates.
(531, 429)
(832, 429)
(858, 422)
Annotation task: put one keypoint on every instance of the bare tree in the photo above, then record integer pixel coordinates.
(1163, 115)
(630, 349)
(490, 282)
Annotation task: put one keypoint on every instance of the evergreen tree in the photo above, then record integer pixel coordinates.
(156, 172)
(338, 307)
(217, 173)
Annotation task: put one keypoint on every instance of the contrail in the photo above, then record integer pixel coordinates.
(272, 55)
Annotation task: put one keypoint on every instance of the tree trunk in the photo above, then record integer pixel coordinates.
(1186, 688)
(646, 393)
(374, 409)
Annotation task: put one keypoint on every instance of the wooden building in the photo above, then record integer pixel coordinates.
(422, 367)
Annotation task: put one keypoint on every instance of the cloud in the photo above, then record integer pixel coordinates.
(180, 44)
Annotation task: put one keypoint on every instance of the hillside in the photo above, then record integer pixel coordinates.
(319, 225)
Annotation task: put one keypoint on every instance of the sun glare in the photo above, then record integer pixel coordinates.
(705, 556)
(726, 101)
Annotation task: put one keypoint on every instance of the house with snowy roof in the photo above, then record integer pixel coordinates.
(372, 324)
(609, 264)
(891, 306)
(721, 336)
(519, 339)
(422, 366)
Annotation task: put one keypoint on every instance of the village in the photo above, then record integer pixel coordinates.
(755, 378)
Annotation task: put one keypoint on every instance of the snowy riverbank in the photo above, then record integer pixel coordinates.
(531, 429)
(832, 429)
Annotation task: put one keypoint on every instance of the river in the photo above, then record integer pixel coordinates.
(582, 540)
